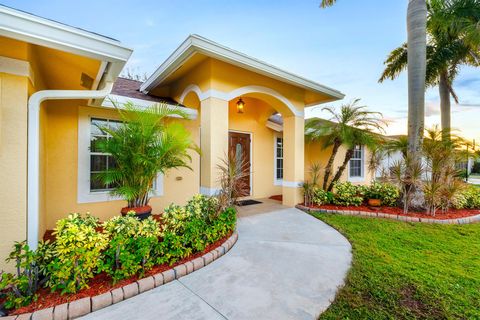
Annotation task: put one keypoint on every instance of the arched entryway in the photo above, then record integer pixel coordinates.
(275, 156)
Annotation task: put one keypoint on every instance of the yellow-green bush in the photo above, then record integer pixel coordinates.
(74, 253)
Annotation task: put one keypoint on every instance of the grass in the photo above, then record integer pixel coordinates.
(408, 271)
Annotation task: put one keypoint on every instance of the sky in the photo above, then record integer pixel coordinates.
(342, 47)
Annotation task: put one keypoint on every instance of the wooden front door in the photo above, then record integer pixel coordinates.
(239, 147)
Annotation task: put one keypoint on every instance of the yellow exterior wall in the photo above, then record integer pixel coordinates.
(13, 162)
(217, 75)
(62, 167)
(14, 93)
(314, 153)
(214, 140)
(294, 155)
(223, 80)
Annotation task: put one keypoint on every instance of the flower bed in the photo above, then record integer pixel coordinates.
(85, 258)
(101, 283)
(453, 216)
(350, 199)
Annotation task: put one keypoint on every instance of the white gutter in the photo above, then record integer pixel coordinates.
(33, 162)
(113, 101)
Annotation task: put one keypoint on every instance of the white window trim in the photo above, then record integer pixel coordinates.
(276, 182)
(84, 195)
(362, 177)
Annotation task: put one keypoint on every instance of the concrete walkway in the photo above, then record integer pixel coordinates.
(285, 265)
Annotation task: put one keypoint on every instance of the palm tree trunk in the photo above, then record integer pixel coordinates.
(445, 108)
(417, 67)
(348, 157)
(328, 167)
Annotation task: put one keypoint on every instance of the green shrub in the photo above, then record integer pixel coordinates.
(222, 226)
(74, 253)
(203, 206)
(321, 197)
(386, 192)
(468, 199)
(20, 289)
(131, 246)
(347, 194)
(191, 228)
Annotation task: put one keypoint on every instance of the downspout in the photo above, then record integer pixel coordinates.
(33, 160)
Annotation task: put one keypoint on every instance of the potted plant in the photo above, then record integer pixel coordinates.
(374, 194)
(144, 145)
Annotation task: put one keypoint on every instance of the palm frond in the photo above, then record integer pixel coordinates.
(327, 3)
(395, 63)
(144, 145)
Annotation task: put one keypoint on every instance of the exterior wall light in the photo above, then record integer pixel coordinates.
(240, 106)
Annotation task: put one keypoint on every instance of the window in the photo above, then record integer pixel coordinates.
(100, 162)
(278, 158)
(91, 162)
(356, 163)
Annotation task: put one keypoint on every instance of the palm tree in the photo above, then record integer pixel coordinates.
(417, 43)
(141, 147)
(358, 137)
(452, 42)
(417, 68)
(327, 3)
(398, 144)
(350, 126)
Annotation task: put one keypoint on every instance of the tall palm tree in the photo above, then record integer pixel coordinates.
(454, 40)
(417, 43)
(350, 126)
(417, 69)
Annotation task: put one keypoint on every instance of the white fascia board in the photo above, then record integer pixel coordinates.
(195, 43)
(36, 30)
(170, 65)
(113, 100)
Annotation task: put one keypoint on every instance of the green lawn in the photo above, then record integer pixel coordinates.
(408, 271)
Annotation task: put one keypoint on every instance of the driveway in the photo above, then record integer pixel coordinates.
(285, 265)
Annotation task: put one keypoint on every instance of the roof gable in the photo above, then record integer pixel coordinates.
(196, 44)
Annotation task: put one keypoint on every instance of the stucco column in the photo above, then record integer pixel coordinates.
(213, 142)
(293, 159)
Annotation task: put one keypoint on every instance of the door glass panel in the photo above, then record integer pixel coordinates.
(239, 155)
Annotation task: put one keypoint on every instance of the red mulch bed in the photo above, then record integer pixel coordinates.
(451, 214)
(102, 283)
(277, 197)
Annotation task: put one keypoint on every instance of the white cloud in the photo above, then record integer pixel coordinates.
(150, 22)
(432, 108)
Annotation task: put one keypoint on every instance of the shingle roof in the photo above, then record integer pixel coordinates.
(130, 88)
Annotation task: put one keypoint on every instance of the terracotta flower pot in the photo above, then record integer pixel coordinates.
(374, 202)
(141, 212)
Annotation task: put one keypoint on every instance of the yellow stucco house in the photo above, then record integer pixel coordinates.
(57, 81)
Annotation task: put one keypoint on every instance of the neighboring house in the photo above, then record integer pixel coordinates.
(57, 82)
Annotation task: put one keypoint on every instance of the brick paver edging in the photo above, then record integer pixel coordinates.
(81, 307)
(465, 220)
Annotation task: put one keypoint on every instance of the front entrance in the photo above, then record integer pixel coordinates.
(239, 147)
